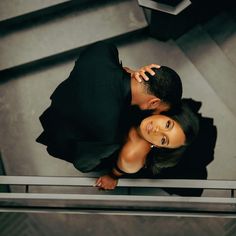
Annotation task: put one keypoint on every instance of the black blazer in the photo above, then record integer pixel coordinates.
(86, 120)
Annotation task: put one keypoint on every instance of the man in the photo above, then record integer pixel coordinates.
(89, 113)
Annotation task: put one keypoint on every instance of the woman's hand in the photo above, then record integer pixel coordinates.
(106, 182)
(140, 75)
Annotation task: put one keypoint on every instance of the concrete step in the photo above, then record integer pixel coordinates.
(16, 11)
(68, 33)
(222, 30)
(23, 101)
(16, 8)
(212, 63)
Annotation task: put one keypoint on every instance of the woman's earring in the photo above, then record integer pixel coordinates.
(152, 146)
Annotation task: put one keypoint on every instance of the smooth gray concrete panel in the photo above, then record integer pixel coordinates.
(39, 224)
(71, 31)
(222, 29)
(22, 101)
(212, 63)
(15, 8)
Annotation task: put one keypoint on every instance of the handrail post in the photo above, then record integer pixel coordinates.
(232, 193)
(27, 188)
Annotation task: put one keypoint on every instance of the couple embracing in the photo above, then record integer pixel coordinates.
(107, 115)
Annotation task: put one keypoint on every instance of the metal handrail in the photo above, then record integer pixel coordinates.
(99, 197)
(121, 204)
(88, 181)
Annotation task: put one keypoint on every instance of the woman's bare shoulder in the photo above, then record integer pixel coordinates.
(135, 147)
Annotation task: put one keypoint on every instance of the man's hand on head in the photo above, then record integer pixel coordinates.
(140, 75)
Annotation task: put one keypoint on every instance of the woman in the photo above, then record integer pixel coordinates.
(157, 143)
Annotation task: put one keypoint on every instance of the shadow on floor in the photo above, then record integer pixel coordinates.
(194, 163)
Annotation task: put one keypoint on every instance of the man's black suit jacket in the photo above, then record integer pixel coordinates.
(87, 118)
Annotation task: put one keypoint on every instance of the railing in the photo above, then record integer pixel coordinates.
(34, 199)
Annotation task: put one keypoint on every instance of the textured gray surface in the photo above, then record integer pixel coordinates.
(70, 31)
(212, 63)
(22, 101)
(222, 29)
(14, 8)
(99, 225)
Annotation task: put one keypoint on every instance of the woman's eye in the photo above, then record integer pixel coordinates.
(168, 123)
(163, 141)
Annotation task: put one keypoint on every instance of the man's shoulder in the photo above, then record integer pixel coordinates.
(103, 45)
(99, 52)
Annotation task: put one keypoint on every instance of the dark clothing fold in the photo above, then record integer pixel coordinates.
(89, 112)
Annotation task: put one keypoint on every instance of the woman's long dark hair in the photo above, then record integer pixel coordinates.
(159, 158)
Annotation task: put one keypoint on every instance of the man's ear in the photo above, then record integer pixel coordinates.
(153, 103)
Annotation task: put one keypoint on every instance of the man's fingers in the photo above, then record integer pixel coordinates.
(98, 182)
(144, 76)
(140, 74)
(149, 68)
(137, 76)
(150, 71)
(155, 65)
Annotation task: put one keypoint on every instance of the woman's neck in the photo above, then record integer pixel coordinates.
(136, 137)
(139, 133)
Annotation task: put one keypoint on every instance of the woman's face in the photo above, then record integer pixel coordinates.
(162, 131)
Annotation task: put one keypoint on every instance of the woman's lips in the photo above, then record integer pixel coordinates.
(149, 127)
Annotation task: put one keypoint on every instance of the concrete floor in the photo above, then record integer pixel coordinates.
(99, 225)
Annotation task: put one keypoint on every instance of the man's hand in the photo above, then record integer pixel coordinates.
(106, 182)
(140, 75)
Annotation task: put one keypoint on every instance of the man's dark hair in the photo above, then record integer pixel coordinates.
(166, 85)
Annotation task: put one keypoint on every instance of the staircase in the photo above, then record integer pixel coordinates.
(39, 41)
(49, 37)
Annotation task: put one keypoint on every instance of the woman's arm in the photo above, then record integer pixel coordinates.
(131, 159)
